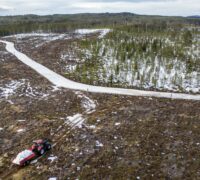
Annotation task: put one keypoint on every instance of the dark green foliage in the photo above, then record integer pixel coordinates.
(187, 38)
(191, 65)
(168, 52)
(155, 45)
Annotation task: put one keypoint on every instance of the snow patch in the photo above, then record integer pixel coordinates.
(98, 144)
(92, 127)
(117, 124)
(102, 32)
(55, 88)
(75, 120)
(20, 130)
(10, 88)
(39, 39)
(21, 120)
(52, 178)
(87, 103)
(25, 35)
(52, 158)
(34, 92)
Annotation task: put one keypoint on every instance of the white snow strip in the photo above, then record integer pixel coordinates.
(25, 35)
(39, 39)
(1, 129)
(60, 81)
(45, 36)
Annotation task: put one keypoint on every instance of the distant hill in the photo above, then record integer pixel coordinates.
(195, 16)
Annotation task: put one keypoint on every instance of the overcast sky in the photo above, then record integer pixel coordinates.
(149, 7)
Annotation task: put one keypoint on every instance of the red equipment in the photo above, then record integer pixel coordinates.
(38, 148)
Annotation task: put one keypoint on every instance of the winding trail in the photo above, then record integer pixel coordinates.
(61, 81)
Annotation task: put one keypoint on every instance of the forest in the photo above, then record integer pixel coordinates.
(64, 23)
(162, 56)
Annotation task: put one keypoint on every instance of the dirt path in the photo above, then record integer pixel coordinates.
(60, 81)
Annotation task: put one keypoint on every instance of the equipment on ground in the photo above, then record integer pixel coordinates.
(38, 148)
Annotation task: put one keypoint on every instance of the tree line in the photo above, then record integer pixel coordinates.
(64, 23)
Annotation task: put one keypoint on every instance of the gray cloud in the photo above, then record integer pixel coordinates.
(3, 10)
(42, 7)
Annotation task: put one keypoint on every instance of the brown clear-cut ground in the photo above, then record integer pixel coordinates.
(144, 138)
